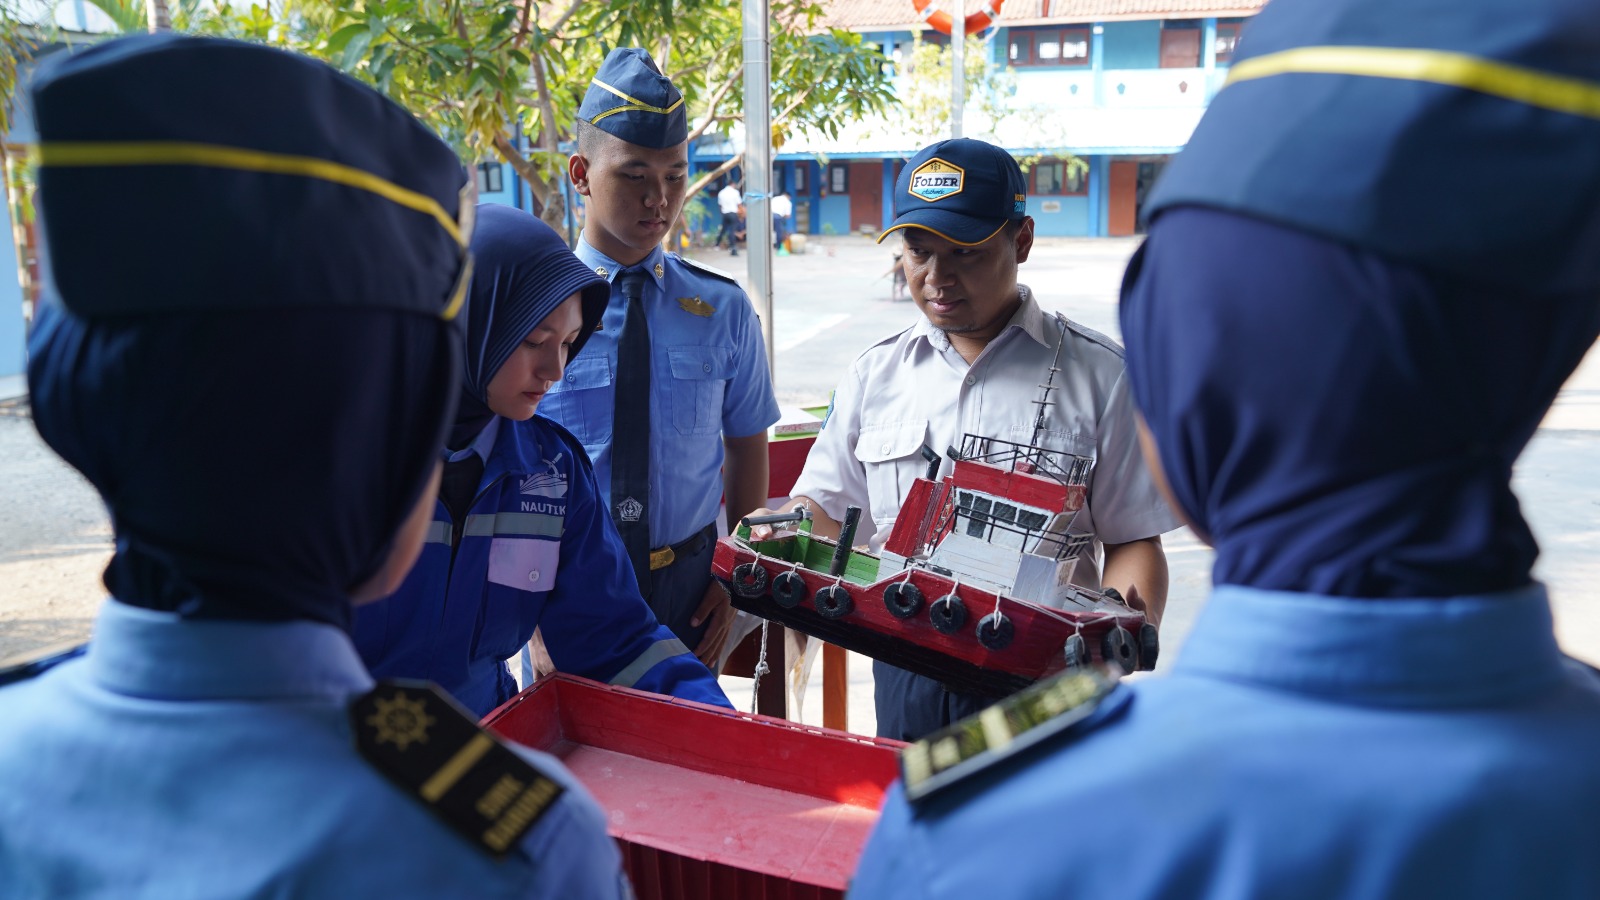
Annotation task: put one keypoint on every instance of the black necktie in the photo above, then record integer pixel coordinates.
(630, 431)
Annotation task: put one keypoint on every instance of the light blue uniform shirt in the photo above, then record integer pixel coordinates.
(708, 378)
(195, 758)
(1302, 747)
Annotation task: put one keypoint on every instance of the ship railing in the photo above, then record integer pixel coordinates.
(1058, 545)
(1066, 468)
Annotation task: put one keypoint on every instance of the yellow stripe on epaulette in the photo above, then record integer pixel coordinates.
(1023, 720)
(1532, 87)
(709, 270)
(422, 741)
(99, 154)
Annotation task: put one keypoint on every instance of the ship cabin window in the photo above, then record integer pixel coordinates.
(982, 505)
(1030, 520)
(1005, 512)
(964, 499)
(977, 528)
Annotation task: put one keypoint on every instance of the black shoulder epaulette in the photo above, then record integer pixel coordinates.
(423, 741)
(1046, 710)
(20, 668)
(709, 270)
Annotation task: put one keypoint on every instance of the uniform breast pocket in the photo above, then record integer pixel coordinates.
(891, 453)
(699, 377)
(527, 566)
(584, 403)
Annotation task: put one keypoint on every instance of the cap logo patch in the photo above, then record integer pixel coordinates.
(936, 180)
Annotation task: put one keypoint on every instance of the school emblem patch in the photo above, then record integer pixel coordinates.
(936, 180)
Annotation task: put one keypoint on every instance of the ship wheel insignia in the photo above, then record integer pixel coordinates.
(401, 721)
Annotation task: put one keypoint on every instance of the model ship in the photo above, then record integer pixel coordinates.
(974, 585)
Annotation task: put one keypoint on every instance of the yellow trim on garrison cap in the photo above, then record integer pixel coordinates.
(634, 103)
(1558, 93)
(894, 228)
(180, 153)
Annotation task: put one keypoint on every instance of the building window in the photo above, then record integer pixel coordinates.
(489, 178)
(1180, 44)
(1058, 178)
(1227, 42)
(1049, 47)
(838, 178)
(800, 177)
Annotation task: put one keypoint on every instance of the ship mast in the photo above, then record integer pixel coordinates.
(1044, 400)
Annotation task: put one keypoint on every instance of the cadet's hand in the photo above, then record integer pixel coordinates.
(761, 532)
(717, 606)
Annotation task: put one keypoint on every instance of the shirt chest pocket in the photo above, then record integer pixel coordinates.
(891, 454)
(699, 377)
(584, 403)
(528, 566)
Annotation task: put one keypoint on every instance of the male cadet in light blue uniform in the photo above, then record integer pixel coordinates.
(1340, 338)
(678, 372)
(263, 418)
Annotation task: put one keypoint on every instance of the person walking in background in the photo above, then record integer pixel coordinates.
(782, 209)
(729, 200)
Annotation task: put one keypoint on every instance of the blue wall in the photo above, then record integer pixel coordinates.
(1073, 220)
(835, 211)
(1132, 45)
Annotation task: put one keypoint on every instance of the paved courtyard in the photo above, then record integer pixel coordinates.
(831, 302)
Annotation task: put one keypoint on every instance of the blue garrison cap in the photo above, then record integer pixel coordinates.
(150, 150)
(629, 98)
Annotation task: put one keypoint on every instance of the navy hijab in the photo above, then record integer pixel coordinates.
(253, 361)
(1338, 423)
(524, 270)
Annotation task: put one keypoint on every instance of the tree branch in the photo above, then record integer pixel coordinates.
(717, 97)
(700, 183)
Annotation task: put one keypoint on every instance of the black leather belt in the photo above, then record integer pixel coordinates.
(666, 556)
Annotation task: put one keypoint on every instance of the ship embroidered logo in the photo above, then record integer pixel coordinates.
(552, 483)
(936, 180)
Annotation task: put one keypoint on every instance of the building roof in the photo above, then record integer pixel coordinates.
(863, 15)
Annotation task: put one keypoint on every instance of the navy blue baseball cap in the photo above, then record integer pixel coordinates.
(962, 190)
(629, 98)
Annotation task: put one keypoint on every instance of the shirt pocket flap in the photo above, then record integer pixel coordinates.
(527, 564)
(700, 363)
(895, 440)
(592, 372)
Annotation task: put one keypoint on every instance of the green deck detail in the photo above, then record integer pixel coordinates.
(816, 555)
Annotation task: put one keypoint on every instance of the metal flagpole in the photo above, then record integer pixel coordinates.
(758, 164)
(958, 68)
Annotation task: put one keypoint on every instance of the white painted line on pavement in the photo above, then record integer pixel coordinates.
(815, 329)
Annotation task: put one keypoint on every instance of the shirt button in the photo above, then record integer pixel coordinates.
(572, 378)
(706, 366)
(884, 448)
(534, 576)
(972, 380)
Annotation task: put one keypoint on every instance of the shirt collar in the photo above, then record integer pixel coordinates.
(654, 265)
(482, 445)
(145, 653)
(1456, 651)
(1029, 319)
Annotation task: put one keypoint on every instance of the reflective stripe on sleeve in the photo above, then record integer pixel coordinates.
(644, 662)
(510, 524)
(438, 533)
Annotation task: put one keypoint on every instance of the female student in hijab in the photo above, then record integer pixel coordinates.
(261, 421)
(520, 538)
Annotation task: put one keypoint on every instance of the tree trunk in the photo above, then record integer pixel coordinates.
(551, 202)
(159, 16)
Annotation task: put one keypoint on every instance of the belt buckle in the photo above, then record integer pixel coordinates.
(660, 559)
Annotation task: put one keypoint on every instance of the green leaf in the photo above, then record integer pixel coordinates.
(340, 39)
